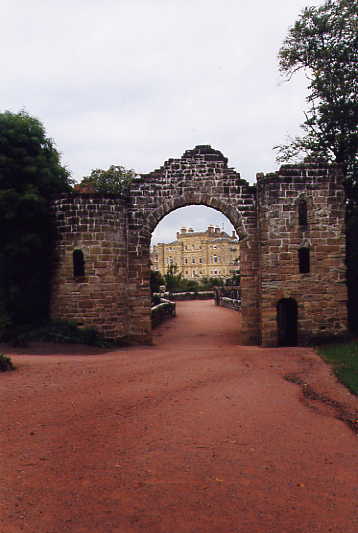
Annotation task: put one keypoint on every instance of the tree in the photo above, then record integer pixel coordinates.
(156, 280)
(116, 179)
(30, 174)
(324, 44)
(172, 278)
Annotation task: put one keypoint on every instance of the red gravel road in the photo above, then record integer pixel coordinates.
(194, 434)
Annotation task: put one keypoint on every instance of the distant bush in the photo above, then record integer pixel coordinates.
(5, 363)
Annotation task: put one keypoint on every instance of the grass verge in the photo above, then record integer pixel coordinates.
(343, 357)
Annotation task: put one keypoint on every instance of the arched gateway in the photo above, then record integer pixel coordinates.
(113, 233)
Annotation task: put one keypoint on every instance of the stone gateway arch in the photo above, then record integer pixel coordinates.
(292, 247)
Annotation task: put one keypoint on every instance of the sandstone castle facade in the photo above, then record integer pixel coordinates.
(199, 254)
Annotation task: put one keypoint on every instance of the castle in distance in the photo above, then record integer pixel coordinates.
(199, 254)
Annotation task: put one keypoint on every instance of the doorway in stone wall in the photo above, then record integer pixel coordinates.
(287, 322)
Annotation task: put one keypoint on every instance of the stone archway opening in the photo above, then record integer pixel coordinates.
(199, 248)
(236, 222)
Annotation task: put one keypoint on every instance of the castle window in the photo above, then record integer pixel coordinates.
(302, 212)
(193, 259)
(185, 260)
(200, 260)
(215, 259)
(304, 260)
(78, 264)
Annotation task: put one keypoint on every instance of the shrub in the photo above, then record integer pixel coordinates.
(5, 363)
(55, 331)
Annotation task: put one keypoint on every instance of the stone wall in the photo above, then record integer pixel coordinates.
(96, 225)
(113, 234)
(191, 295)
(320, 294)
(162, 312)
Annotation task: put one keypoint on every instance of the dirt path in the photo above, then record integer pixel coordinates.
(194, 434)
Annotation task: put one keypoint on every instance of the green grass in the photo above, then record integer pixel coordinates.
(344, 360)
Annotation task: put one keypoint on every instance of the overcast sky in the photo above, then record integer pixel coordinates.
(134, 82)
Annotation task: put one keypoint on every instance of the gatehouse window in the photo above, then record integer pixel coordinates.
(193, 259)
(302, 212)
(78, 264)
(304, 260)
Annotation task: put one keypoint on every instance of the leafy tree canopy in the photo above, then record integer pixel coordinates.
(324, 44)
(30, 174)
(115, 179)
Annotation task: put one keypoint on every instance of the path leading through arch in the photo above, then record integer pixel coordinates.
(193, 434)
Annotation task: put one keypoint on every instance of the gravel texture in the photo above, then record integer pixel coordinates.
(193, 434)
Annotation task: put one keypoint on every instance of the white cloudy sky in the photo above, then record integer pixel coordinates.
(134, 82)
